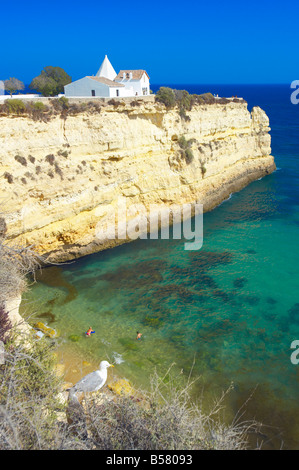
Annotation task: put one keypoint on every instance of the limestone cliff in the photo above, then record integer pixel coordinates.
(57, 177)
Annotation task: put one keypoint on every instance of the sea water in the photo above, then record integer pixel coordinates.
(225, 314)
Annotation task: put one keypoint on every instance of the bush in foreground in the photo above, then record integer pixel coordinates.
(165, 419)
(32, 416)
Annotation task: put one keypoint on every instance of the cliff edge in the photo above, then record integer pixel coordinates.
(59, 177)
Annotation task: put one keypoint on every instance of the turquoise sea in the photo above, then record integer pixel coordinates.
(229, 312)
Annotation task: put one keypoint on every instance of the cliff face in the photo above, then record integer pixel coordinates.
(58, 178)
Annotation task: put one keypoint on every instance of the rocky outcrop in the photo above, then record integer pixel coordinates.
(60, 178)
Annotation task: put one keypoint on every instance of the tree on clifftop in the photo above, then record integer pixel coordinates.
(13, 85)
(166, 96)
(51, 81)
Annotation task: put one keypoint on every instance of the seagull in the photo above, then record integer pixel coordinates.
(91, 382)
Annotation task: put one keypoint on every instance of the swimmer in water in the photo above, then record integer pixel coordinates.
(138, 335)
(89, 331)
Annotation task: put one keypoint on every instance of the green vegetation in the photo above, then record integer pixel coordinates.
(181, 99)
(39, 111)
(166, 96)
(14, 106)
(38, 106)
(60, 104)
(185, 149)
(184, 101)
(13, 85)
(51, 81)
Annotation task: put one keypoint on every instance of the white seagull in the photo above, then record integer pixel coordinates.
(91, 382)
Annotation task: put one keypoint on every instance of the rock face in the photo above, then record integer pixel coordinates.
(60, 179)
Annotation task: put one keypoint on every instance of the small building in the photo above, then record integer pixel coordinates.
(107, 84)
(136, 80)
(94, 86)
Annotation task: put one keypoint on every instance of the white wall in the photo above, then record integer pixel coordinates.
(19, 97)
(123, 92)
(137, 85)
(84, 86)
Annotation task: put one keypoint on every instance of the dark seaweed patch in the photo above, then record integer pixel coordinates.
(220, 294)
(220, 328)
(51, 302)
(240, 282)
(168, 290)
(208, 281)
(251, 299)
(204, 260)
(139, 274)
(49, 316)
(270, 316)
(53, 277)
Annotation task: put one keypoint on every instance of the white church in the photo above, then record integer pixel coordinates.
(108, 84)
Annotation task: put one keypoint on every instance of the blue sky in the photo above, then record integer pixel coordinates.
(175, 41)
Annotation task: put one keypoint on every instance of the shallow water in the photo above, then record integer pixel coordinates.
(231, 309)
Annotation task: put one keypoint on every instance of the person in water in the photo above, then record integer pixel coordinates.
(138, 335)
(89, 331)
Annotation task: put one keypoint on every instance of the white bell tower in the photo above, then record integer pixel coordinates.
(106, 70)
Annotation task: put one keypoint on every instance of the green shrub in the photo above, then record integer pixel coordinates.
(183, 115)
(39, 106)
(183, 143)
(64, 102)
(185, 146)
(204, 98)
(166, 96)
(14, 106)
(189, 156)
(183, 99)
(51, 81)
(60, 104)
